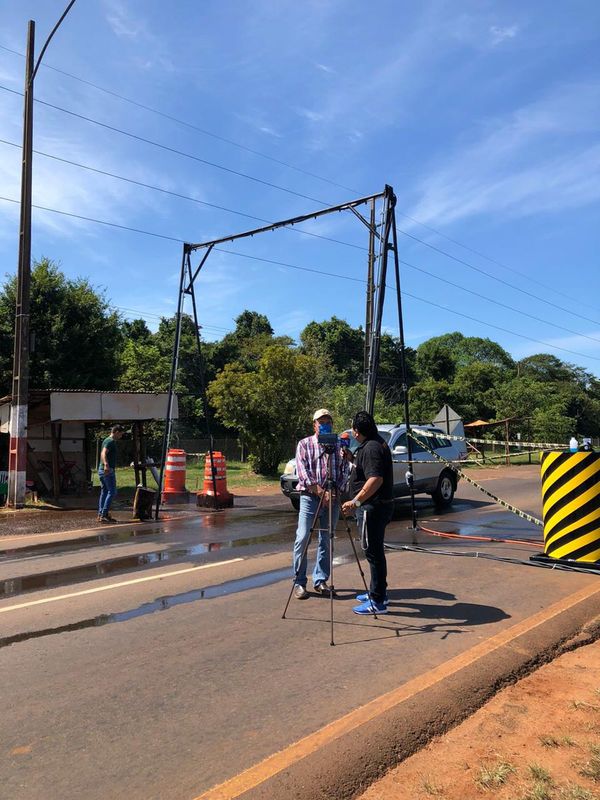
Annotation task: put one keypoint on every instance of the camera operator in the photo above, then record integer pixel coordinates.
(371, 486)
(311, 466)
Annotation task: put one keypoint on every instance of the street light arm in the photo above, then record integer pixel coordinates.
(44, 48)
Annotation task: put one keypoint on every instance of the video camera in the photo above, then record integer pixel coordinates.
(329, 440)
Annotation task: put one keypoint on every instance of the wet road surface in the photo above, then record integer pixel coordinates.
(155, 658)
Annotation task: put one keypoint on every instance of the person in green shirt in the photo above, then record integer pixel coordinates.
(106, 473)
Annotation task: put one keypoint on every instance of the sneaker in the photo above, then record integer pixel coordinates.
(370, 607)
(363, 598)
(300, 593)
(107, 520)
(323, 588)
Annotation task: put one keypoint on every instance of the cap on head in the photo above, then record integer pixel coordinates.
(322, 412)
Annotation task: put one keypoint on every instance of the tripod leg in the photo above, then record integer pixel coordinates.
(331, 532)
(304, 552)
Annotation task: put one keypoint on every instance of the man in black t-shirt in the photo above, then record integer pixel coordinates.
(371, 487)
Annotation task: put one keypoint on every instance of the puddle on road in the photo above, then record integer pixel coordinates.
(70, 575)
(80, 543)
(168, 601)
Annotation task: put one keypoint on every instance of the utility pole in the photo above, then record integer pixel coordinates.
(370, 292)
(17, 462)
(17, 455)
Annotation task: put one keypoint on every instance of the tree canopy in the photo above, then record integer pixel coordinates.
(265, 387)
(76, 336)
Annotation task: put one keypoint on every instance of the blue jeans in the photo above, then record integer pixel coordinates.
(308, 507)
(108, 491)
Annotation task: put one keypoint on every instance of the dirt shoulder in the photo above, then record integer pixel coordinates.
(536, 740)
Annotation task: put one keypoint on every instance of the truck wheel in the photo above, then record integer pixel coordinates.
(444, 493)
(295, 501)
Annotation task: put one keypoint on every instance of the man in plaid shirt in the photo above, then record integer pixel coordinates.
(311, 466)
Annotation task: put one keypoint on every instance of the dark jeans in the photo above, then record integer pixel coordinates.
(378, 516)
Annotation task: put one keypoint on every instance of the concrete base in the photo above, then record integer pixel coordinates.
(175, 497)
(207, 500)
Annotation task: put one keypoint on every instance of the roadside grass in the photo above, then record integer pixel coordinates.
(574, 792)
(591, 768)
(239, 475)
(431, 788)
(540, 774)
(493, 777)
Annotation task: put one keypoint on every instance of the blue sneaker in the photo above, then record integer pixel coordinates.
(363, 598)
(370, 607)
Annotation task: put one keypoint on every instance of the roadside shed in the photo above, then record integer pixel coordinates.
(58, 425)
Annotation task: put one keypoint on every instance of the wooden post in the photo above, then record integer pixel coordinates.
(143, 452)
(136, 452)
(55, 464)
(506, 448)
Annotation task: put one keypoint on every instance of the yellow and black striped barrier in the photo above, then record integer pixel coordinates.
(571, 507)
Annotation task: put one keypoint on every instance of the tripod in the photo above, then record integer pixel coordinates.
(331, 491)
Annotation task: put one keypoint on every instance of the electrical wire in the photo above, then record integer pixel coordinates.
(307, 269)
(498, 302)
(299, 230)
(189, 125)
(446, 535)
(173, 150)
(487, 556)
(306, 197)
(310, 174)
(143, 185)
(286, 164)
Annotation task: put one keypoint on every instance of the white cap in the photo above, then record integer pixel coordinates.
(322, 412)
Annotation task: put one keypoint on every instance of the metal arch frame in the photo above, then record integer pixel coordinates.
(387, 243)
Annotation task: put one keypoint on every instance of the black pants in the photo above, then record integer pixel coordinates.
(377, 516)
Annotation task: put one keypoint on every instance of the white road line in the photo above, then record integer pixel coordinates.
(117, 585)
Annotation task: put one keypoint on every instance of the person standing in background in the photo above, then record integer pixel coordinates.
(106, 473)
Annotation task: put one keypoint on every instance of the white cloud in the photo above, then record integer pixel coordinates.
(325, 68)
(501, 34)
(540, 158)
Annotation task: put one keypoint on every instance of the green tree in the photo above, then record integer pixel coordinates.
(76, 335)
(269, 407)
(463, 350)
(426, 398)
(338, 344)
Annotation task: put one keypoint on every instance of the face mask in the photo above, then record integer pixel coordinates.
(325, 427)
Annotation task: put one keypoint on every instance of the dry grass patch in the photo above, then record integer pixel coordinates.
(494, 776)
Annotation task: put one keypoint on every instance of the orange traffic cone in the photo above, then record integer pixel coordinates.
(174, 487)
(207, 497)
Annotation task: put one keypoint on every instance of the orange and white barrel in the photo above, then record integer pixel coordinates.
(174, 490)
(215, 478)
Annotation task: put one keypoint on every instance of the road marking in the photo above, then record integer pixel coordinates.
(117, 585)
(287, 757)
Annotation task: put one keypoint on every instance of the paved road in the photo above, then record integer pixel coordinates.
(155, 663)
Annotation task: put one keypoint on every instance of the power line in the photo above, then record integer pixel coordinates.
(328, 274)
(498, 302)
(143, 185)
(183, 122)
(312, 199)
(240, 213)
(494, 277)
(173, 150)
(305, 172)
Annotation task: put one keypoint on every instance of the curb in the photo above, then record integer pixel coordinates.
(344, 758)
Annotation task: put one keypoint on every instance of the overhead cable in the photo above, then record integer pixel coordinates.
(300, 170)
(306, 269)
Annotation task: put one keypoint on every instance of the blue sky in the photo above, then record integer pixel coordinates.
(483, 116)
